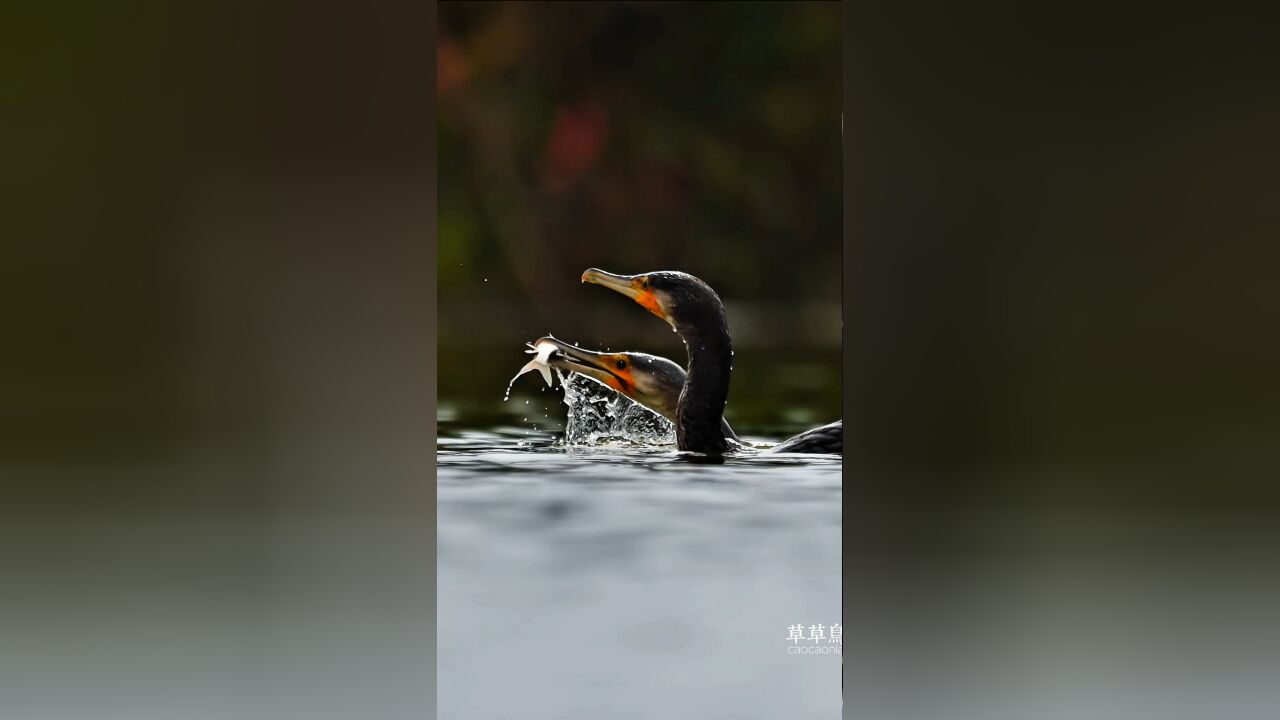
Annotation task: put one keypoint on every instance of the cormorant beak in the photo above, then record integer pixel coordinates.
(633, 286)
(599, 366)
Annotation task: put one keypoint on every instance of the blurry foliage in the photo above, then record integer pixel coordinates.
(702, 137)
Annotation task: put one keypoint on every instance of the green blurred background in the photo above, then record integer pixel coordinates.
(703, 137)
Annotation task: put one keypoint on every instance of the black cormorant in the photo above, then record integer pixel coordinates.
(695, 312)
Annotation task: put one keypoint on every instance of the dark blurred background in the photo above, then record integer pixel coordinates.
(1062, 466)
(1063, 257)
(634, 136)
(216, 376)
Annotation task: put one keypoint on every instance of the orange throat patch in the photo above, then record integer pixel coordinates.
(649, 302)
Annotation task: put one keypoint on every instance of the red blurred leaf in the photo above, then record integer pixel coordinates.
(452, 69)
(577, 137)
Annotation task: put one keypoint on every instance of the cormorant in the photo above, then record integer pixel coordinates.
(695, 312)
(652, 381)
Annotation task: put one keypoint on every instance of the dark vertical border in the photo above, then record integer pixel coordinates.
(848, 155)
(430, 324)
(1060, 307)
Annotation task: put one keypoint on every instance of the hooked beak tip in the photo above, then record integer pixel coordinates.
(617, 283)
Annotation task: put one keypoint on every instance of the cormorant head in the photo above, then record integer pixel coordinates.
(687, 304)
(652, 381)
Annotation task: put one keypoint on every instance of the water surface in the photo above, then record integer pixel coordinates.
(626, 580)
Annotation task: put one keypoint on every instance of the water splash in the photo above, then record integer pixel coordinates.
(600, 416)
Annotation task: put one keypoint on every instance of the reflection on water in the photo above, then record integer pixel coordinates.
(622, 581)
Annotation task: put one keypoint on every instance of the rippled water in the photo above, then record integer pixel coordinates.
(623, 579)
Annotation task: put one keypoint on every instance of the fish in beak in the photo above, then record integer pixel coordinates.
(614, 370)
(652, 381)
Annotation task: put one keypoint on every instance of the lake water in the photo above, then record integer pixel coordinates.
(622, 579)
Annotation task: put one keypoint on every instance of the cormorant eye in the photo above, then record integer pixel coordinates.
(622, 363)
(644, 283)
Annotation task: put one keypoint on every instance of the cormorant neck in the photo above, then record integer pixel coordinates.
(706, 389)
